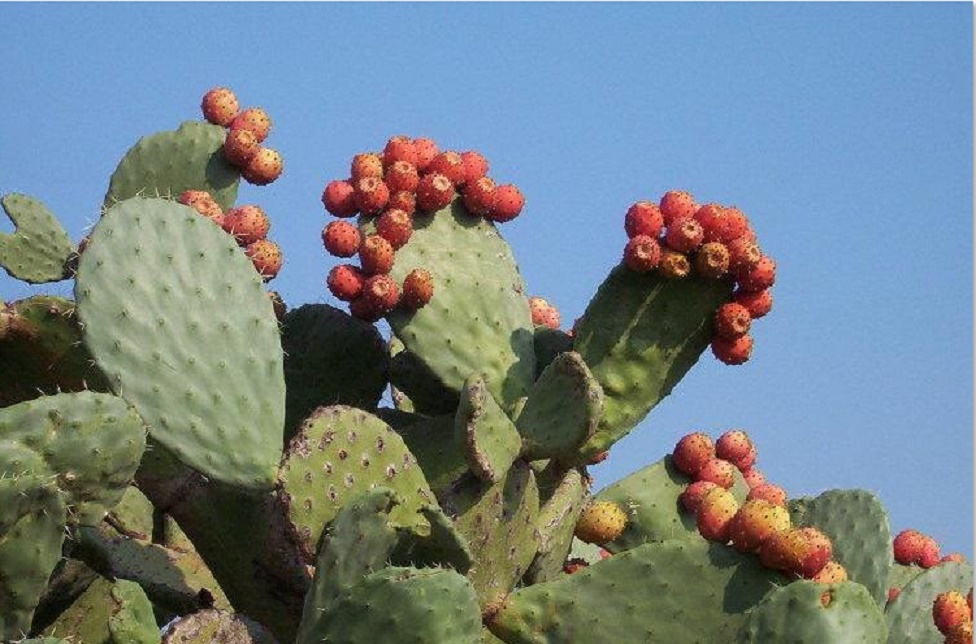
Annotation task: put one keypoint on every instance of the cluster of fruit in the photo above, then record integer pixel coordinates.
(912, 547)
(678, 237)
(953, 616)
(246, 131)
(409, 178)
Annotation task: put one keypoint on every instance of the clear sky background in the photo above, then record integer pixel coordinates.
(845, 132)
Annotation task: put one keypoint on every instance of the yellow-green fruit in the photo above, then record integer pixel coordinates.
(832, 573)
(601, 523)
(755, 522)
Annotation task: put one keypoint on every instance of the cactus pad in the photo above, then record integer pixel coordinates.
(416, 386)
(557, 521)
(491, 442)
(109, 613)
(909, 617)
(39, 249)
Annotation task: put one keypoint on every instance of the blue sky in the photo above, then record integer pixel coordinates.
(843, 130)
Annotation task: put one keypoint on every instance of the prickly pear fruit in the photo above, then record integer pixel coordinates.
(643, 218)
(755, 522)
(718, 471)
(264, 167)
(418, 288)
(425, 150)
(769, 491)
(642, 254)
(949, 609)
(692, 495)
(339, 199)
(732, 321)
(346, 281)
(395, 226)
(506, 203)
(266, 257)
(247, 224)
(832, 573)
(676, 204)
(435, 191)
(376, 255)
(732, 352)
(254, 119)
(477, 196)
(450, 165)
(759, 277)
(715, 513)
(712, 260)
(692, 452)
(601, 522)
(365, 165)
(758, 303)
(402, 177)
(400, 148)
(735, 447)
(341, 238)
(371, 195)
(684, 235)
(219, 106)
(475, 166)
(240, 146)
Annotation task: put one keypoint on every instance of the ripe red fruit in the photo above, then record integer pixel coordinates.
(435, 191)
(734, 446)
(203, 203)
(254, 119)
(674, 265)
(711, 216)
(219, 106)
(718, 471)
(405, 201)
(341, 238)
(907, 546)
(266, 257)
(692, 495)
(643, 218)
(760, 277)
(712, 260)
(247, 224)
(949, 609)
(450, 165)
(381, 292)
(732, 352)
(375, 255)
(506, 203)
(736, 225)
(676, 204)
(478, 195)
(339, 199)
(418, 288)
(758, 303)
(371, 195)
(365, 165)
(715, 513)
(475, 166)
(399, 148)
(755, 522)
(770, 492)
(395, 226)
(365, 309)
(642, 254)
(816, 554)
(684, 235)
(426, 150)
(240, 146)
(732, 321)
(402, 176)
(543, 313)
(264, 167)
(346, 281)
(930, 553)
(744, 254)
(692, 452)
(753, 477)
(574, 565)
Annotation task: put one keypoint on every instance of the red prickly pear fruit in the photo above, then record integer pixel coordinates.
(691, 453)
(574, 565)
(758, 303)
(760, 277)
(435, 191)
(339, 199)
(346, 281)
(395, 226)
(960, 633)
(598, 458)
(450, 165)
(605, 554)
(405, 201)
(734, 446)
(692, 495)
(375, 255)
(278, 305)
(219, 106)
(382, 292)
(418, 288)
(715, 512)
(712, 260)
(956, 557)
(674, 265)
(402, 177)
(770, 492)
(247, 224)
(832, 573)
(949, 609)
(543, 313)
(400, 148)
(642, 254)
(736, 225)
(426, 150)
(365, 165)
(787, 551)
(684, 235)
(643, 218)
(753, 477)
(341, 238)
(893, 594)
(711, 216)
(478, 195)
(264, 167)
(266, 257)
(254, 119)
(732, 321)
(907, 546)
(203, 203)
(745, 463)
(755, 522)
(240, 146)
(718, 471)
(732, 352)
(363, 308)
(475, 166)
(371, 195)
(817, 553)
(744, 254)
(600, 522)
(507, 202)
(676, 204)
(930, 553)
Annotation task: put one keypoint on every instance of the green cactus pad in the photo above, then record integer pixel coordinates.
(109, 613)
(39, 248)
(91, 442)
(549, 343)
(214, 626)
(796, 613)
(416, 386)
(68, 581)
(180, 323)
(168, 163)
(444, 546)
(491, 442)
(909, 617)
(40, 346)
(639, 335)
(857, 525)
(900, 574)
(650, 496)
(562, 410)
(433, 442)
(339, 453)
(478, 320)
(675, 591)
(557, 522)
(331, 358)
(498, 521)
(32, 516)
(418, 607)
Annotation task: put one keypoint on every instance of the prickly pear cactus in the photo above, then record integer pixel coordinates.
(183, 460)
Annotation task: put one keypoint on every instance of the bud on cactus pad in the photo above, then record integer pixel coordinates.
(600, 523)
